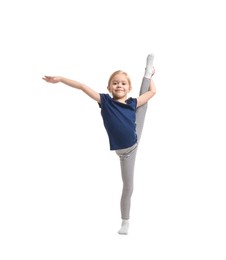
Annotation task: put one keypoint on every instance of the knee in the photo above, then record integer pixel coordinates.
(128, 190)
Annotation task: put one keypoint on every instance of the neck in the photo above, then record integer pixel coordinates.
(121, 100)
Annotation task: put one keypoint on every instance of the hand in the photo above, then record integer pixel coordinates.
(51, 79)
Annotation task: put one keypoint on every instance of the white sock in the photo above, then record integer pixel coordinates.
(149, 66)
(124, 227)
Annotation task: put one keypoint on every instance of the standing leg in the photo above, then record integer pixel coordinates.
(127, 163)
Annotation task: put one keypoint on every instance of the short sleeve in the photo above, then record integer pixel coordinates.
(103, 98)
(132, 102)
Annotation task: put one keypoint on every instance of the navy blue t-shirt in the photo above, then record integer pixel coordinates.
(120, 121)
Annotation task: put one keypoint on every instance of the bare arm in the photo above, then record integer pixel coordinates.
(74, 84)
(144, 98)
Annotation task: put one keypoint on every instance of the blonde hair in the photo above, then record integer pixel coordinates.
(119, 72)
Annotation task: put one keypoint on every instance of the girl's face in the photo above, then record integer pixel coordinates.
(119, 86)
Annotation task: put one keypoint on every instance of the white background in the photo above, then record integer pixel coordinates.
(60, 184)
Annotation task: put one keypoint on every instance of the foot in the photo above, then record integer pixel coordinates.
(124, 227)
(149, 66)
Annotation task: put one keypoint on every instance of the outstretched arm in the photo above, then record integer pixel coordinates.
(74, 84)
(144, 98)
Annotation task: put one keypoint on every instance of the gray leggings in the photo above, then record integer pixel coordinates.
(128, 156)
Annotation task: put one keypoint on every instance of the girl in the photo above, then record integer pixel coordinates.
(123, 119)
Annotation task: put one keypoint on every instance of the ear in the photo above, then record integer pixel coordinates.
(109, 89)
